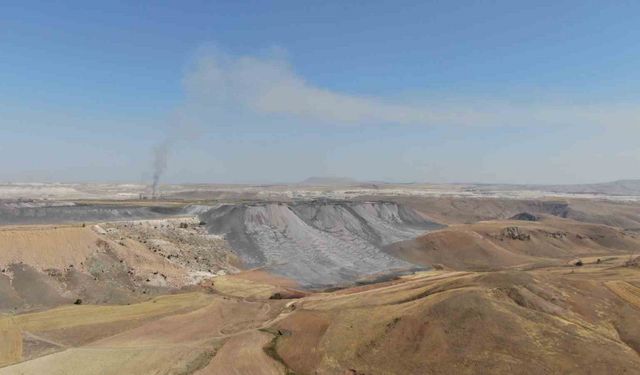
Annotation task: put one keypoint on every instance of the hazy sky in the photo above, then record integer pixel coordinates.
(241, 91)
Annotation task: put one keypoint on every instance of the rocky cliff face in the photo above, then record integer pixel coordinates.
(318, 243)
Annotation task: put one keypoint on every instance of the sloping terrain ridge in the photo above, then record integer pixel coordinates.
(43, 266)
(318, 243)
(556, 320)
(492, 245)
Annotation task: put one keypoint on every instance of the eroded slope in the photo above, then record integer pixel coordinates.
(552, 321)
(121, 262)
(318, 243)
(495, 245)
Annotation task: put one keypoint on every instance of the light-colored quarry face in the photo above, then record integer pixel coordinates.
(318, 243)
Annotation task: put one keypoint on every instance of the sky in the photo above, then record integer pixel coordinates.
(277, 91)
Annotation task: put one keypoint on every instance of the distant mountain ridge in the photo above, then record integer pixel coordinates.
(620, 187)
(329, 181)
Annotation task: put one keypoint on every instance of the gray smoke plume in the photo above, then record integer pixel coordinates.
(160, 156)
(180, 128)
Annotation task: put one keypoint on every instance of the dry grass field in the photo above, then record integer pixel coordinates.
(626, 291)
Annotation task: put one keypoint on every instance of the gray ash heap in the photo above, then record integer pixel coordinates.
(318, 243)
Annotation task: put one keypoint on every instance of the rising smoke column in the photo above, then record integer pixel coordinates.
(160, 156)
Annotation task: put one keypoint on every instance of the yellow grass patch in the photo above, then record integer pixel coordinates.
(244, 354)
(240, 287)
(10, 342)
(44, 247)
(73, 316)
(157, 360)
(626, 291)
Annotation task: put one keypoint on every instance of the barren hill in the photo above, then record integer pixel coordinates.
(122, 262)
(552, 321)
(556, 320)
(499, 244)
(463, 210)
